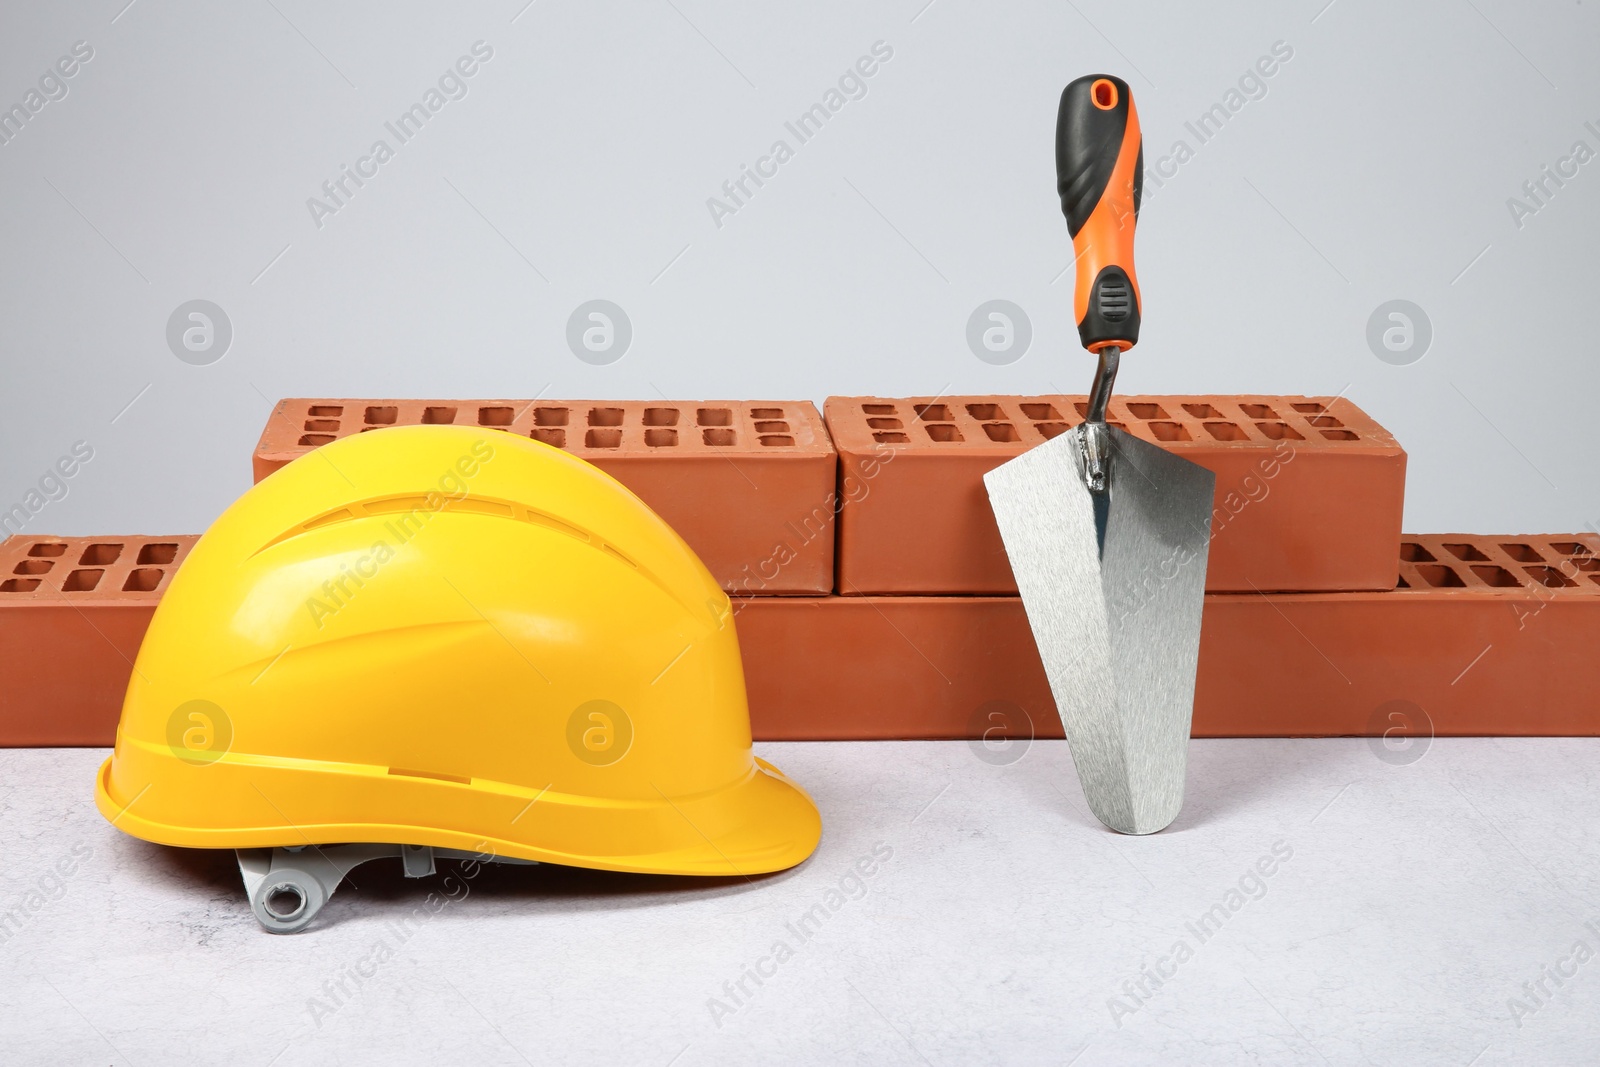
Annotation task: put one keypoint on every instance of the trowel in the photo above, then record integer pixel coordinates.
(1107, 534)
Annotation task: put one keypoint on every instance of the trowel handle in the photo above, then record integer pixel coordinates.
(1100, 175)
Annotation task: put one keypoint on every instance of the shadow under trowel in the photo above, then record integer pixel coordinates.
(1225, 776)
(1230, 775)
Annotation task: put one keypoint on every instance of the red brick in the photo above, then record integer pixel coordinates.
(72, 613)
(1309, 489)
(1475, 656)
(749, 484)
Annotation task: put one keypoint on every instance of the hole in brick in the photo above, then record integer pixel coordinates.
(1147, 411)
(377, 416)
(367, 429)
(933, 412)
(1040, 412)
(1170, 431)
(19, 585)
(879, 409)
(1226, 431)
(48, 548)
(332, 411)
(605, 416)
(1570, 548)
(496, 416)
(717, 436)
(1202, 411)
(142, 581)
(1549, 576)
(1470, 553)
(1051, 429)
(82, 581)
(1309, 409)
(889, 437)
(1440, 576)
(1340, 435)
(550, 435)
(943, 431)
(1258, 411)
(1412, 552)
(776, 440)
(781, 427)
(1522, 553)
(985, 412)
(1279, 431)
(1001, 431)
(1114, 423)
(1402, 584)
(1586, 563)
(602, 438)
(661, 416)
(549, 416)
(322, 425)
(886, 424)
(33, 566)
(714, 417)
(159, 553)
(312, 440)
(438, 416)
(660, 437)
(767, 413)
(1324, 420)
(1496, 576)
(99, 555)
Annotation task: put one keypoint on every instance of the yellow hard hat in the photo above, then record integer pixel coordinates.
(451, 639)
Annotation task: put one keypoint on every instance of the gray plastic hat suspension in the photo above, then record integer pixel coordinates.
(287, 887)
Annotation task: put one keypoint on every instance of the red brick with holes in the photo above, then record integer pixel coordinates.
(748, 484)
(72, 613)
(1482, 636)
(1309, 489)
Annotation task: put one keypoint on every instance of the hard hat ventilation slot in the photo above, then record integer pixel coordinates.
(405, 505)
(341, 515)
(541, 519)
(620, 556)
(438, 776)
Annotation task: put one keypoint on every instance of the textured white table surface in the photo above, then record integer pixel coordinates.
(1413, 913)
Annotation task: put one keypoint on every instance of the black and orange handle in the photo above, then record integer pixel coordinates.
(1100, 175)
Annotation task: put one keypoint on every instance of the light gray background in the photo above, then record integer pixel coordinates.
(1377, 167)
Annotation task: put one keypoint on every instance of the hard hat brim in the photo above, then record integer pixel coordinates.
(761, 824)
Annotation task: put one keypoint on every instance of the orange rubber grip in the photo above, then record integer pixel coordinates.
(1100, 176)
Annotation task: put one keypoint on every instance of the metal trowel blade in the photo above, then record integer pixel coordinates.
(1114, 602)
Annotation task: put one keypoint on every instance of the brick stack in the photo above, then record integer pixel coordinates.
(872, 592)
